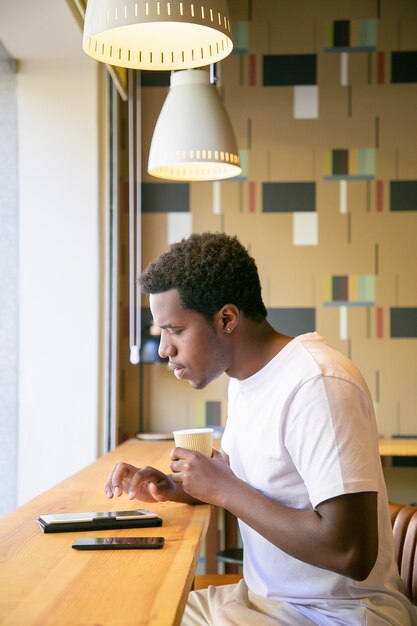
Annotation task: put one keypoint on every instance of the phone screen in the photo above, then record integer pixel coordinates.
(65, 518)
(118, 543)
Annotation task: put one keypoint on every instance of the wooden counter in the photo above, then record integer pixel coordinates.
(398, 447)
(43, 581)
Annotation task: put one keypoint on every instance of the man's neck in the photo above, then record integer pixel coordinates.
(254, 345)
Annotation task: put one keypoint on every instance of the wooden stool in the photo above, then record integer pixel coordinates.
(203, 581)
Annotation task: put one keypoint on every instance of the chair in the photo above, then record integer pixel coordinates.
(231, 556)
(404, 527)
(203, 581)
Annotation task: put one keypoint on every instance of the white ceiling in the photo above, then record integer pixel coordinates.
(40, 30)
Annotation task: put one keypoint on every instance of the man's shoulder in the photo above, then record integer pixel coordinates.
(328, 361)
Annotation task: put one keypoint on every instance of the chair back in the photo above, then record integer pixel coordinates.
(404, 526)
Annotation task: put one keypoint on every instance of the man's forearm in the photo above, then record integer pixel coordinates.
(333, 537)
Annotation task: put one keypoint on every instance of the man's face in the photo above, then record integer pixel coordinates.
(195, 347)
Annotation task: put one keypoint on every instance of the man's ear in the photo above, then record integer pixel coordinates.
(228, 317)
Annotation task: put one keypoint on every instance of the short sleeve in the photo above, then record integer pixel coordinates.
(330, 436)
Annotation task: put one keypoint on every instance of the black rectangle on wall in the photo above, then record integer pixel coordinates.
(155, 79)
(165, 197)
(403, 322)
(282, 70)
(340, 288)
(404, 66)
(288, 197)
(293, 321)
(340, 162)
(341, 33)
(403, 195)
(213, 413)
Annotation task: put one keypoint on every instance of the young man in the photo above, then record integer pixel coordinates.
(299, 464)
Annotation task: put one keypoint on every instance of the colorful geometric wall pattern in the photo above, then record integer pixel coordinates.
(208, 413)
(353, 290)
(351, 35)
(348, 118)
(244, 164)
(240, 32)
(350, 164)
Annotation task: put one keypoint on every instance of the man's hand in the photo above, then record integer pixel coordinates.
(146, 483)
(205, 479)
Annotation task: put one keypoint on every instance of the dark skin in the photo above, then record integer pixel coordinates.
(341, 535)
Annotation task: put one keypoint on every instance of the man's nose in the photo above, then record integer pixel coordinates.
(166, 347)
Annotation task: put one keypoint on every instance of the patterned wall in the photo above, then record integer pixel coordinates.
(323, 99)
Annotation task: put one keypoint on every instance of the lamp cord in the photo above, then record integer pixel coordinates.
(135, 243)
(138, 152)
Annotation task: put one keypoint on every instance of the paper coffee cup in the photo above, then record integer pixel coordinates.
(197, 439)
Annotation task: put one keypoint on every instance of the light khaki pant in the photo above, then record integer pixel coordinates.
(233, 605)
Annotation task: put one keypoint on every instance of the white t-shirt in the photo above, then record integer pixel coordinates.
(302, 430)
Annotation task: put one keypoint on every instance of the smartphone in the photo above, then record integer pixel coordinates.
(66, 518)
(119, 543)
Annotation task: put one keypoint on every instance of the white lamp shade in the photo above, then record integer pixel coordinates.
(157, 35)
(193, 137)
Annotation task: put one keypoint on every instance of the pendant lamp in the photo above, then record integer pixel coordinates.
(157, 34)
(193, 138)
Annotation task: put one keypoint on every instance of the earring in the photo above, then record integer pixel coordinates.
(229, 330)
